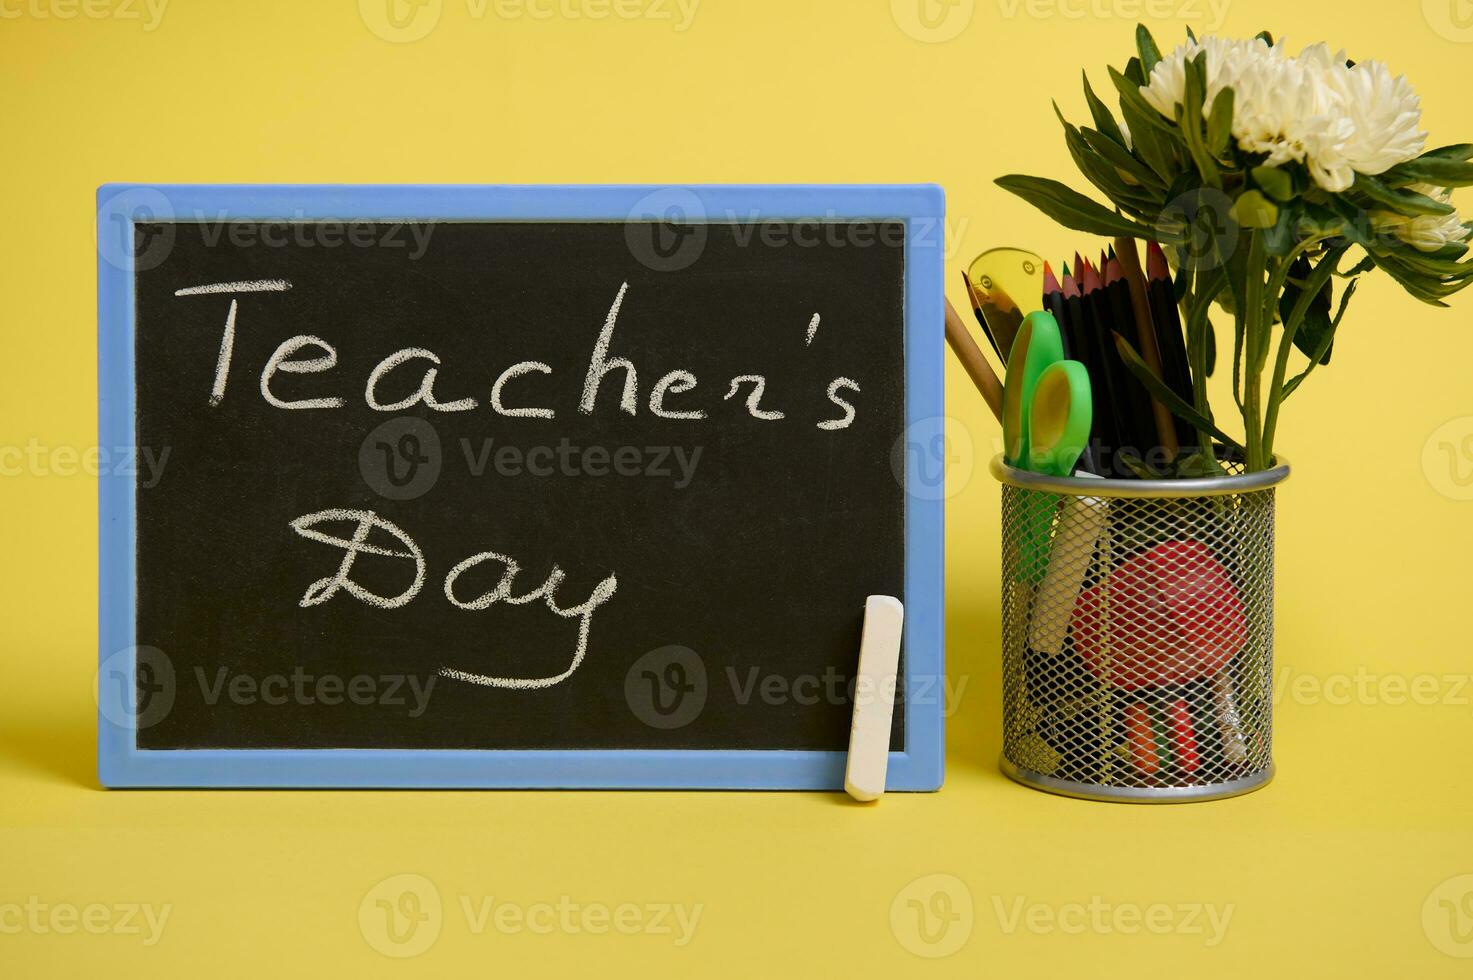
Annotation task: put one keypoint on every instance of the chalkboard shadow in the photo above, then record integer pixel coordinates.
(973, 689)
(61, 748)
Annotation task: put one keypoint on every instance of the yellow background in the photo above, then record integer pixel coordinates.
(1327, 870)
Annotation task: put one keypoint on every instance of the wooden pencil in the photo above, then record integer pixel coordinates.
(973, 360)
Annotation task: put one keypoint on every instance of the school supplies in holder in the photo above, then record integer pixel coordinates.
(1138, 667)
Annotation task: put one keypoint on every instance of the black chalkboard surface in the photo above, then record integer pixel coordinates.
(512, 484)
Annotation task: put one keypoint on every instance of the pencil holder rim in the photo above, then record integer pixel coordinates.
(1192, 487)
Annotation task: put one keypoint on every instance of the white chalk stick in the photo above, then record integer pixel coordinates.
(874, 698)
(1079, 527)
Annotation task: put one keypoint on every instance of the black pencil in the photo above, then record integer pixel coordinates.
(1166, 315)
(1117, 379)
(1146, 436)
(1054, 303)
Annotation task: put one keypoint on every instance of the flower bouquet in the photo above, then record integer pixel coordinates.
(1266, 176)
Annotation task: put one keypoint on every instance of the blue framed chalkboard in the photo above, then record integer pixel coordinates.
(223, 663)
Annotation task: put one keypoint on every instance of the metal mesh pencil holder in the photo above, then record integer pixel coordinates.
(1137, 654)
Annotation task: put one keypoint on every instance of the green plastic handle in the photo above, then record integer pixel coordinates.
(1060, 417)
(1036, 346)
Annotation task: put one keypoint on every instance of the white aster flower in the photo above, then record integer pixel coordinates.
(1425, 232)
(1313, 108)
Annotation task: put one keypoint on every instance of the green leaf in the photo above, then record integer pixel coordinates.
(1070, 208)
(1253, 210)
(1321, 353)
(1130, 95)
(1197, 465)
(1138, 466)
(1134, 72)
(1408, 203)
(1274, 182)
(1146, 45)
(1104, 119)
(1191, 120)
(1121, 159)
(1166, 396)
(1220, 124)
(1101, 173)
(1315, 327)
(1457, 151)
(1211, 337)
(1265, 37)
(1435, 171)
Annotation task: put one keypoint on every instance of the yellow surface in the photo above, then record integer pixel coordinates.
(1326, 873)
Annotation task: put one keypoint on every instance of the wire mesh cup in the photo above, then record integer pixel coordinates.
(1137, 652)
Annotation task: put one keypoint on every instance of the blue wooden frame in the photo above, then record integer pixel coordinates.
(122, 764)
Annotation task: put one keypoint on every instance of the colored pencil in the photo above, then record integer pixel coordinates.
(1112, 370)
(1146, 337)
(1166, 315)
(1144, 433)
(1074, 348)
